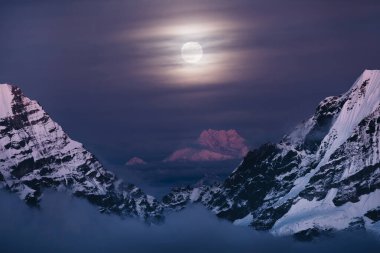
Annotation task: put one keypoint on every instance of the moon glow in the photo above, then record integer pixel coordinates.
(191, 52)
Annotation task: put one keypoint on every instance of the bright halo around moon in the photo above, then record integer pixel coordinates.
(191, 52)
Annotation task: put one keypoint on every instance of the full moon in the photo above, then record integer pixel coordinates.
(191, 52)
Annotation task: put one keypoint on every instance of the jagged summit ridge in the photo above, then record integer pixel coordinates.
(359, 102)
(35, 153)
(325, 175)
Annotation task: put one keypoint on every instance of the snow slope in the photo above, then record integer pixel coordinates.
(323, 176)
(35, 153)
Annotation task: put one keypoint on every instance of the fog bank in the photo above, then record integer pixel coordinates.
(68, 224)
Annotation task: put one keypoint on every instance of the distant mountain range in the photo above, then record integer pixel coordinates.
(324, 176)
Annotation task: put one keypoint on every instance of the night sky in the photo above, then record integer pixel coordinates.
(111, 74)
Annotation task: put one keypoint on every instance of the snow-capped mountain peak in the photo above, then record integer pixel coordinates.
(362, 99)
(323, 176)
(35, 153)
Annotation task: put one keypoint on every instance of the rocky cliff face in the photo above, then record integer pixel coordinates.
(323, 176)
(35, 154)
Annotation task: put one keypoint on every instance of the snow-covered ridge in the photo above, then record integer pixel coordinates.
(35, 153)
(324, 176)
(6, 98)
(324, 214)
(362, 99)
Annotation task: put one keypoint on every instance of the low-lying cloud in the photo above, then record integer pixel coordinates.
(69, 224)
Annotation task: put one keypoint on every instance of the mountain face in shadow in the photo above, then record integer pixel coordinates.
(36, 154)
(323, 176)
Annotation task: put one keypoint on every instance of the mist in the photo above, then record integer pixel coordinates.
(158, 179)
(68, 224)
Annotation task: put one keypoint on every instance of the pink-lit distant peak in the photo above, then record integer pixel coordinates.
(223, 141)
(213, 145)
(135, 161)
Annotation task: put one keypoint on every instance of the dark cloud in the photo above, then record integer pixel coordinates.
(107, 71)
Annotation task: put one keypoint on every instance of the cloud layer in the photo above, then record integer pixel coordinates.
(66, 224)
(213, 145)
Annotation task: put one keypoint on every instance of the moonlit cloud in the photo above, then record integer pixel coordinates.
(267, 64)
(158, 51)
